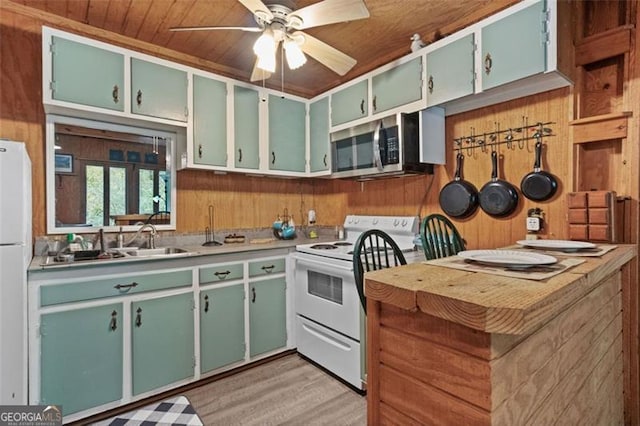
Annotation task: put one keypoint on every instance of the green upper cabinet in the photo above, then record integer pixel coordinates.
(221, 327)
(287, 134)
(514, 47)
(319, 135)
(209, 121)
(162, 341)
(246, 127)
(450, 73)
(87, 75)
(158, 91)
(81, 357)
(397, 86)
(267, 315)
(350, 103)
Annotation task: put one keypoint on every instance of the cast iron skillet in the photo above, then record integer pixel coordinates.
(459, 198)
(538, 185)
(498, 197)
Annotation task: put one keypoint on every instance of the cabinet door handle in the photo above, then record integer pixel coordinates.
(200, 151)
(139, 317)
(268, 269)
(206, 303)
(139, 97)
(273, 157)
(125, 287)
(488, 63)
(239, 155)
(115, 94)
(324, 160)
(113, 325)
(375, 107)
(222, 275)
(430, 84)
(253, 295)
(362, 106)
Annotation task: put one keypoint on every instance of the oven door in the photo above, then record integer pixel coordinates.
(325, 292)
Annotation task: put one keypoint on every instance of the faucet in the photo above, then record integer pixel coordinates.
(152, 234)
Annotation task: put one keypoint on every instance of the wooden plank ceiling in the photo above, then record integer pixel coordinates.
(384, 36)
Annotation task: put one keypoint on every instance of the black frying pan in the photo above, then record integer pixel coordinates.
(498, 197)
(459, 198)
(538, 185)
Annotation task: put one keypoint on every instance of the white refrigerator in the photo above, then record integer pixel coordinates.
(15, 255)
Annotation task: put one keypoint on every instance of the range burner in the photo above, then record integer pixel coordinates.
(324, 247)
(369, 250)
(342, 243)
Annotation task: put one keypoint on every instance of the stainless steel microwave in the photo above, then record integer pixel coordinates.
(398, 144)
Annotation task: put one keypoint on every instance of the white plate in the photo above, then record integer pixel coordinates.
(507, 257)
(557, 244)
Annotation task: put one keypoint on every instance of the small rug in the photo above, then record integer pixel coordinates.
(174, 411)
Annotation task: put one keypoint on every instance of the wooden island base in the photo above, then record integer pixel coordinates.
(566, 368)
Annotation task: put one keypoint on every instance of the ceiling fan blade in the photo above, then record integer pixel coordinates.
(250, 29)
(329, 56)
(259, 74)
(257, 7)
(329, 12)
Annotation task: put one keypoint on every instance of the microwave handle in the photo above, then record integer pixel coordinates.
(377, 161)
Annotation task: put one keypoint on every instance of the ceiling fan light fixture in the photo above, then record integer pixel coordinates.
(265, 44)
(265, 50)
(295, 55)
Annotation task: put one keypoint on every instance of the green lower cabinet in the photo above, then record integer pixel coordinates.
(267, 315)
(221, 327)
(162, 341)
(81, 357)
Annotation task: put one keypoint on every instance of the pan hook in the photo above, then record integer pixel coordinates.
(482, 145)
(469, 141)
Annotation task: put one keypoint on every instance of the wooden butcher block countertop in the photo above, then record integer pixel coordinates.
(491, 303)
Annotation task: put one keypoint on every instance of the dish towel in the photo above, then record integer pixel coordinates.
(174, 411)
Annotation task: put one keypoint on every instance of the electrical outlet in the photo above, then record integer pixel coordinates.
(533, 224)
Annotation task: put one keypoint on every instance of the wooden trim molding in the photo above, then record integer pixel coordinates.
(606, 44)
(601, 127)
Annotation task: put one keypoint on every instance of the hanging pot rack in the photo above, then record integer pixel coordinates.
(511, 136)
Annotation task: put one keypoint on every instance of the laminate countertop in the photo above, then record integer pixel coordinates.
(490, 303)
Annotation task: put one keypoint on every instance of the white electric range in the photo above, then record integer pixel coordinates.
(329, 318)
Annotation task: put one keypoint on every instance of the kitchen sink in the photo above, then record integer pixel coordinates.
(162, 251)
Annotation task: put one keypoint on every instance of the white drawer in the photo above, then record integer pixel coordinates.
(333, 351)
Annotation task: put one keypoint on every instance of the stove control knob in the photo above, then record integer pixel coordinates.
(375, 221)
(396, 222)
(404, 223)
(350, 220)
(356, 221)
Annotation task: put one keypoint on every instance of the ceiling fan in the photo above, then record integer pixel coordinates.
(279, 23)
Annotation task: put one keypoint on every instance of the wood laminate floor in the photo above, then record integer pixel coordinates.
(286, 391)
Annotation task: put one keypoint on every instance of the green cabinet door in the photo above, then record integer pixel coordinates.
(81, 357)
(514, 47)
(162, 341)
(246, 127)
(87, 75)
(221, 327)
(350, 103)
(398, 86)
(267, 315)
(287, 134)
(209, 121)
(158, 91)
(319, 135)
(450, 72)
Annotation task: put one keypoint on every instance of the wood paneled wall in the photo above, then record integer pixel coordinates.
(246, 201)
